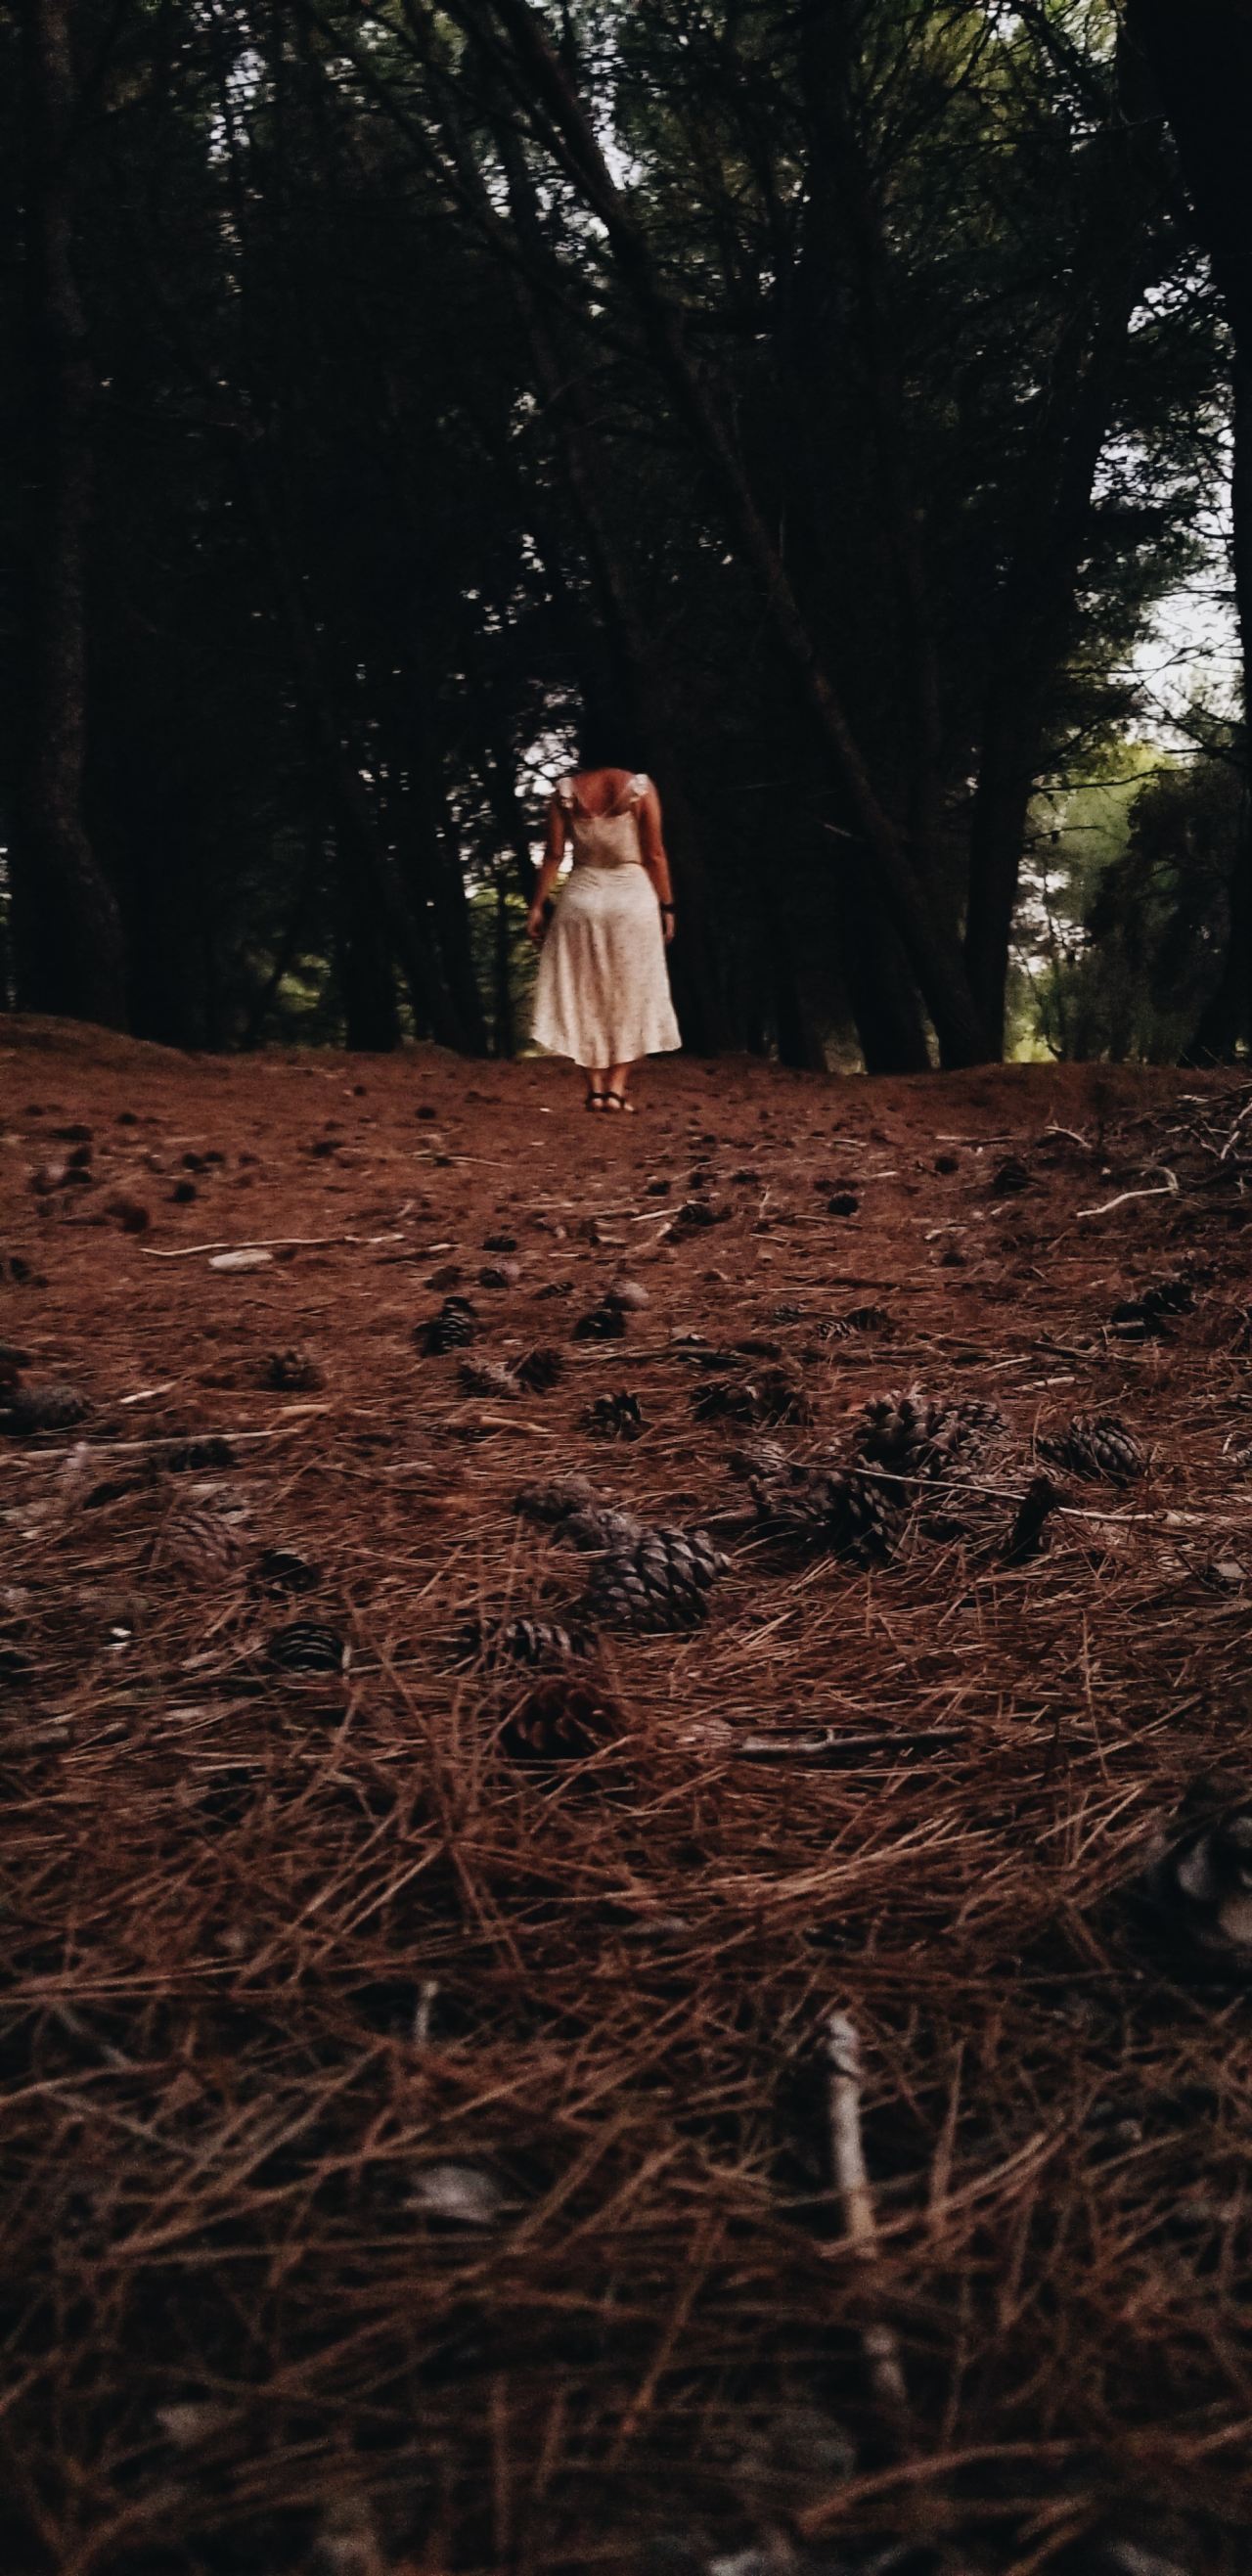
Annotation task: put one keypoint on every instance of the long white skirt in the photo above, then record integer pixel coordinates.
(603, 992)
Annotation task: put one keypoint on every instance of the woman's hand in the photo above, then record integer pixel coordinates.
(536, 924)
(667, 923)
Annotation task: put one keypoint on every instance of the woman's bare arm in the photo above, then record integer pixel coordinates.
(553, 853)
(652, 844)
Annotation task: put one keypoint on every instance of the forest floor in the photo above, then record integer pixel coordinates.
(418, 2157)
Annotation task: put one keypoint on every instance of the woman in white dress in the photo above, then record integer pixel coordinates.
(603, 992)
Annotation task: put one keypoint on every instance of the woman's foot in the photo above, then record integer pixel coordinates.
(618, 1101)
(594, 1100)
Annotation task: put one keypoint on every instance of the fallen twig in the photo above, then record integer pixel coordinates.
(847, 2156)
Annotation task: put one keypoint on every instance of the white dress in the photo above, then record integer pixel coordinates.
(603, 994)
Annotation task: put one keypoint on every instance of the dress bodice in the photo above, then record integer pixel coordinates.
(608, 840)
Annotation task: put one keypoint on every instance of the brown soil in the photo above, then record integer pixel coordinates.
(418, 2159)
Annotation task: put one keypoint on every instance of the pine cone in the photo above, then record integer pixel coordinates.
(284, 1569)
(599, 1526)
(764, 1458)
(452, 1329)
(175, 1457)
(556, 1502)
(1009, 1179)
(306, 1647)
(539, 1370)
(616, 1417)
(196, 1541)
(868, 1319)
(658, 1585)
(292, 1372)
(1146, 1318)
(1097, 1445)
(772, 1395)
(898, 1432)
(45, 1408)
(843, 1203)
(560, 1717)
(522, 1641)
(1200, 1879)
(603, 1323)
(837, 1508)
(1025, 1539)
(487, 1377)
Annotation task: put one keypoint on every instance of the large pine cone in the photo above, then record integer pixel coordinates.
(1097, 1445)
(1200, 1880)
(603, 1323)
(45, 1408)
(841, 1509)
(601, 1526)
(660, 1583)
(912, 1434)
(292, 1372)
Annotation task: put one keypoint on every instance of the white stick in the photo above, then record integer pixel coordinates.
(1167, 1190)
(847, 2157)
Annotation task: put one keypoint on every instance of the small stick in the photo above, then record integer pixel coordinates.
(847, 2157)
(1167, 1190)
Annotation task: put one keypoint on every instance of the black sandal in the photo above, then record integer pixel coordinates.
(594, 1100)
(618, 1100)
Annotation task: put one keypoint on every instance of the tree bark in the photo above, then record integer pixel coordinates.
(1227, 1020)
(932, 948)
(1200, 57)
(67, 932)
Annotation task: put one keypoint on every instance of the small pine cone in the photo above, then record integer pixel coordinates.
(616, 1417)
(788, 1313)
(556, 1502)
(764, 1458)
(868, 1319)
(660, 1584)
(452, 1329)
(197, 1542)
(1009, 1179)
(772, 1395)
(176, 1457)
(559, 1717)
(1200, 1879)
(521, 1641)
(292, 1372)
(307, 1647)
(285, 1569)
(837, 1508)
(45, 1408)
(539, 1370)
(599, 1526)
(603, 1323)
(1097, 1445)
(487, 1377)
(1026, 1538)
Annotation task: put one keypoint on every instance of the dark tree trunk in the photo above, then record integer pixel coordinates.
(366, 975)
(502, 1033)
(1038, 606)
(438, 869)
(1201, 60)
(67, 932)
(1227, 1021)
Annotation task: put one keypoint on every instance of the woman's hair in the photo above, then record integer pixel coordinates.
(608, 740)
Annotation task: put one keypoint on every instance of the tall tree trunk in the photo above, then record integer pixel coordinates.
(1226, 1023)
(932, 948)
(366, 976)
(1074, 413)
(502, 1032)
(67, 931)
(1201, 62)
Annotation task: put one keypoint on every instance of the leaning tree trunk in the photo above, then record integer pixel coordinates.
(67, 932)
